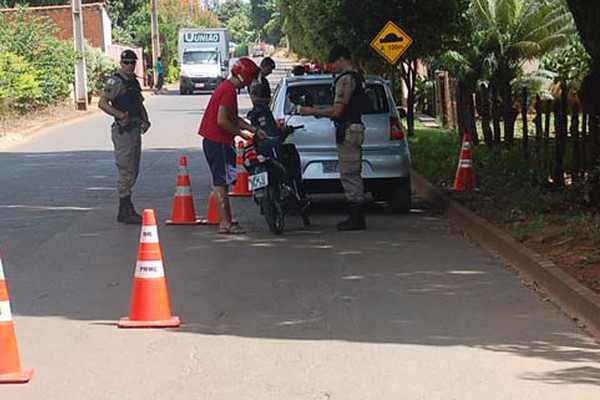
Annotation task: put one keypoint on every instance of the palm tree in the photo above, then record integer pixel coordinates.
(510, 32)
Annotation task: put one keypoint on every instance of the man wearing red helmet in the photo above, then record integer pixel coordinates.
(220, 125)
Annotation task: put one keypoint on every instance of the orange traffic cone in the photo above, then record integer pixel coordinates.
(183, 204)
(241, 187)
(10, 366)
(150, 305)
(465, 176)
(212, 215)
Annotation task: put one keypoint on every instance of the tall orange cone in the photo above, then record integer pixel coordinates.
(241, 187)
(465, 176)
(10, 365)
(183, 204)
(150, 305)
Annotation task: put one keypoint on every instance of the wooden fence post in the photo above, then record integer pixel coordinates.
(576, 167)
(524, 104)
(538, 125)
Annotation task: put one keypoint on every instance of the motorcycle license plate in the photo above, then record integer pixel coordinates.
(258, 181)
(330, 167)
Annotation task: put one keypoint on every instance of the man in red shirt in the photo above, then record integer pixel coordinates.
(220, 125)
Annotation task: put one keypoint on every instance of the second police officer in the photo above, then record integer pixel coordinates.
(346, 113)
(123, 100)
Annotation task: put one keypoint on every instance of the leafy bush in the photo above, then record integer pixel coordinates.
(98, 68)
(241, 50)
(27, 36)
(19, 86)
(172, 75)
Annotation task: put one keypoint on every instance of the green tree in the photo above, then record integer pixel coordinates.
(313, 26)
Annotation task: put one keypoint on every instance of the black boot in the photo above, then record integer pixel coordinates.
(127, 214)
(356, 219)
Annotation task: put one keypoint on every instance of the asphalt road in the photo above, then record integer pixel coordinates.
(408, 309)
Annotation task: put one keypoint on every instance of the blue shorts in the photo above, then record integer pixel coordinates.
(221, 161)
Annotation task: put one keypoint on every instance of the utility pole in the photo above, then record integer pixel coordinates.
(155, 39)
(80, 73)
(191, 9)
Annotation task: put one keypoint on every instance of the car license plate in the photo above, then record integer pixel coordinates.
(330, 167)
(258, 181)
(199, 85)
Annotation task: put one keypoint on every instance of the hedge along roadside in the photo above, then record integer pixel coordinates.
(36, 69)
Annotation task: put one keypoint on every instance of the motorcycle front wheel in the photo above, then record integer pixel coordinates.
(273, 212)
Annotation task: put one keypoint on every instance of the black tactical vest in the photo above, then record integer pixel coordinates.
(130, 100)
(354, 109)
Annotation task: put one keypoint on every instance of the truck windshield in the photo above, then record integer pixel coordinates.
(200, 57)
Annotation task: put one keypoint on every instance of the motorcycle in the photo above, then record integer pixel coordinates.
(272, 186)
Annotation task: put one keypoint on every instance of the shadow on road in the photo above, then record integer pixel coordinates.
(408, 279)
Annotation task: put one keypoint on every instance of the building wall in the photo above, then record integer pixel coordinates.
(96, 24)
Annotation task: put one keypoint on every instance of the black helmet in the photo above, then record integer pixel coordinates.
(128, 55)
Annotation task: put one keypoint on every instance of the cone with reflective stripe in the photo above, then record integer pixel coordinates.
(465, 176)
(10, 365)
(241, 187)
(183, 204)
(150, 305)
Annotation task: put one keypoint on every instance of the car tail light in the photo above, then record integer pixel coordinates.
(281, 123)
(396, 132)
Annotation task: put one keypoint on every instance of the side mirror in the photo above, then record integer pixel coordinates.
(401, 112)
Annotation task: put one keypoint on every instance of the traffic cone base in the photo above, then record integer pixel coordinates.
(20, 377)
(150, 306)
(174, 322)
(183, 203)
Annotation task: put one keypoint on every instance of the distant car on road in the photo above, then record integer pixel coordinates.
(386, 156)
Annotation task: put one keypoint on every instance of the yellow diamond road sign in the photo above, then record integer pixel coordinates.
(391, 42)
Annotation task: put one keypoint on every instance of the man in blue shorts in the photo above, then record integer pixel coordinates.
(220, 125)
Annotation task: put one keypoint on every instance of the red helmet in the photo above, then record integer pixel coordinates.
(245, 70)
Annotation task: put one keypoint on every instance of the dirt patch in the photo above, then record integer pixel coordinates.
(15, 128)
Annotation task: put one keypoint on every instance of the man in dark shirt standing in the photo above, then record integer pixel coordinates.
(260, 91)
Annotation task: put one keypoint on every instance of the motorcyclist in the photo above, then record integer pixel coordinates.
(262, 116)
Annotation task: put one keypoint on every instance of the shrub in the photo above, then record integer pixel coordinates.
(19, 86)
(241, 50)
(27, 36)
(99, 67)
(172, 74)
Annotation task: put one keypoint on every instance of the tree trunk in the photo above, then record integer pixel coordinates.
(409, 75)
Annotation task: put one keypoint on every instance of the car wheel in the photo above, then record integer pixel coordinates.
(401, 198)
(182, 91)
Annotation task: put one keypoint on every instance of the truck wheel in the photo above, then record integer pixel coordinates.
(401, 198)
(182, 91)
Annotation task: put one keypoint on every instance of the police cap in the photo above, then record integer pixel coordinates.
(337, 52)
(128, 55)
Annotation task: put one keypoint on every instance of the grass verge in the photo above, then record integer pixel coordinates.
(513, 194)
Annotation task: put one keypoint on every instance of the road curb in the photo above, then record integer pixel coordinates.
(579, 302)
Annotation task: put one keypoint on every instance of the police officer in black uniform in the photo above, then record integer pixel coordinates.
(123, 100)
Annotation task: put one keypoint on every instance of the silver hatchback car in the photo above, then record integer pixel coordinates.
(386, 156)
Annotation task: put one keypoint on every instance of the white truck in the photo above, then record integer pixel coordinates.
(203, 59)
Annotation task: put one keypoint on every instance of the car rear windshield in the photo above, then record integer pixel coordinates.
(321, 96)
